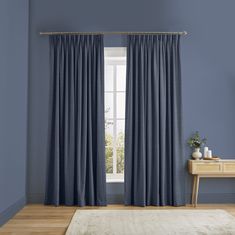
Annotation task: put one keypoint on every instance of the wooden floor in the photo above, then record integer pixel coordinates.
(49, 220)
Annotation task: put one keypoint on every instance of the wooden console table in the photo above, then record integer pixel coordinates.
(209, 169)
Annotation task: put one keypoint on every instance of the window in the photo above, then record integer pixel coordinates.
(115, 86)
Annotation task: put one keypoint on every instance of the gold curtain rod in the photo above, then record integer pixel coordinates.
(111, 33)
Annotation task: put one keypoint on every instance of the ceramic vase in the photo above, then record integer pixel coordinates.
(197, 154)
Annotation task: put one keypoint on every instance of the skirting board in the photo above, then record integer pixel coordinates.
(11, 210)
(119, 199)
(115, 199)
(35, 198)
(39, 198)
(213, 198)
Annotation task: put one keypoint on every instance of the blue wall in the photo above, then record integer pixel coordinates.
(207, 67)
(13, 105)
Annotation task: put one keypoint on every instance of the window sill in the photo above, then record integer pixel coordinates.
(114, 180)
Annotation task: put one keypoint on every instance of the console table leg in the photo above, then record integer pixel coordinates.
(196, 189)
(193, 190)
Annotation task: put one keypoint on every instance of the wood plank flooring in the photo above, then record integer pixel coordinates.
(50, 220)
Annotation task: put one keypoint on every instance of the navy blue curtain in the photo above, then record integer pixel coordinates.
(76, 161)
(154, 169)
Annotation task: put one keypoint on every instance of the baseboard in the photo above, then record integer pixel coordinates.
(12, 210)
(115, 199)
(119, 198)
(213, 198)
(35, 198)
(202, 198)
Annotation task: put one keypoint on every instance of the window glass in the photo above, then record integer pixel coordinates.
(108, 105)
(121, 77)
(115, 82)
(108, 78)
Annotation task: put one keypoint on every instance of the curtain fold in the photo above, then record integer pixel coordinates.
(154, 167)
(76, 159)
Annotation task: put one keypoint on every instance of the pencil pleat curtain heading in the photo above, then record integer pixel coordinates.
(76, 159)
(154, 167)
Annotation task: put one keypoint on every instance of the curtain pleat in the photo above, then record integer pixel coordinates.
(154, 167)
(76, 159)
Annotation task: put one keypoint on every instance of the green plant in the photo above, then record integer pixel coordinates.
(195, 141)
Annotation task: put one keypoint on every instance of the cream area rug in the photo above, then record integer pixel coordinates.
(150, 222)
